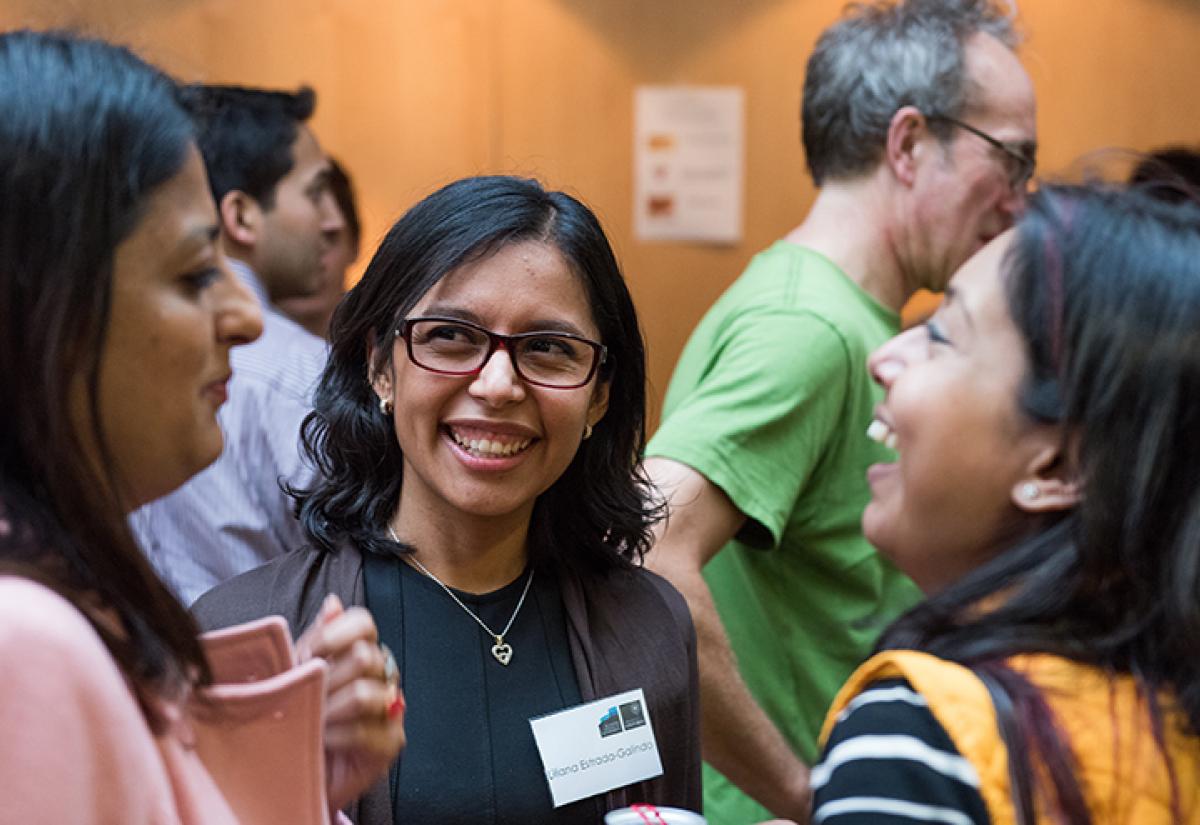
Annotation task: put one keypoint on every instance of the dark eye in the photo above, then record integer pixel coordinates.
(196, 282)
(1015, 169)
(551, 346)
(934, 331)
(448, 333)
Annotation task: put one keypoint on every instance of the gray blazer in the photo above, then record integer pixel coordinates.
(626, 629)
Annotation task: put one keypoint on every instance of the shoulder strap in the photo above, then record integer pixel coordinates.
(976, 711)
(1019, 769)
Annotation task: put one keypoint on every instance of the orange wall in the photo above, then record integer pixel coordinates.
(414, 93)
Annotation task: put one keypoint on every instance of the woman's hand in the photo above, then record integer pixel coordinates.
(364, 709)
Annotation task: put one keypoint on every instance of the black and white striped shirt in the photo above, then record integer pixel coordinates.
(889, 762)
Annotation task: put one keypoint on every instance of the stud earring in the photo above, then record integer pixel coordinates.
(587, 431)
(1030, 491)
(385, 406)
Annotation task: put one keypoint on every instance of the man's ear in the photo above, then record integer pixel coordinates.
(1050, 485)
(241, 218)
(904, 143)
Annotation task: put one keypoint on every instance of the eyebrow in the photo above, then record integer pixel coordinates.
(536, 325)
(197, 238)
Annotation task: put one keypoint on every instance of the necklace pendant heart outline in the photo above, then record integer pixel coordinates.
(501, 651)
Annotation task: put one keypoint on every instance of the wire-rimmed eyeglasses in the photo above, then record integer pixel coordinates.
(1019, 161)
(452, 346)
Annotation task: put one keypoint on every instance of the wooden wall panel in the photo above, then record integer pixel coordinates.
(569, 69)
(415, 93)
(1113, 73)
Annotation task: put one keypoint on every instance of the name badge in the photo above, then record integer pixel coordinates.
(598, 746)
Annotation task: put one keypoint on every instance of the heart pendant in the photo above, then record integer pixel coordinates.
(502, 652)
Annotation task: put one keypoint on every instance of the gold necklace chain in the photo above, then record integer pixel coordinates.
(500, 650)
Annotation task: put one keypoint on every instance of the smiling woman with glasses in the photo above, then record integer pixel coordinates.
(478, 433)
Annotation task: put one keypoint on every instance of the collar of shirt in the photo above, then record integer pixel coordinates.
(246, 275)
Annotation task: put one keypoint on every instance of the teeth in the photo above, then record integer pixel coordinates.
(881, 433)
(487, 448)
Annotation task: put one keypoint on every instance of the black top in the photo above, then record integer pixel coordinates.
(471, 756)
(625, 629)
(888, 760)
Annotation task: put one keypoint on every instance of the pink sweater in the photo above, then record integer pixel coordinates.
(75, 748)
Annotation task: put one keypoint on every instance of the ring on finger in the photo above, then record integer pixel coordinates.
(391, 671)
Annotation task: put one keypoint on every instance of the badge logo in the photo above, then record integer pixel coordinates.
(620, 718)
(632, 715)
(610, 723)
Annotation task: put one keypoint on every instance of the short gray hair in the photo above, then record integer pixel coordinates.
(879, 58)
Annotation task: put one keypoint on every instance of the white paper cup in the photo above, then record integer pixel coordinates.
(652, 815)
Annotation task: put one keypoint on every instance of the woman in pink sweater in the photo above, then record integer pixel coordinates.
(117, 317)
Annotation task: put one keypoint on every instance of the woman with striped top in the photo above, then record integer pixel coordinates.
(1046, 497)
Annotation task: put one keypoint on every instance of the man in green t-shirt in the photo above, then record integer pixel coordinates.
(919, 129)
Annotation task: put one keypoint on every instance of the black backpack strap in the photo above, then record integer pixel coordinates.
(1020, 773)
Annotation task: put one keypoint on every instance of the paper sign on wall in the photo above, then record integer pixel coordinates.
(688, 167)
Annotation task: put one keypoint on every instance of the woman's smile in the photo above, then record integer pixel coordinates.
(488, 443)
(962, 444)
(486, 446)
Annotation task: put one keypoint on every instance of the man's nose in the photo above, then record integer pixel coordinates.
(332, 219)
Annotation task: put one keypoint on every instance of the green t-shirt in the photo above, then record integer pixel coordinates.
(770, 401)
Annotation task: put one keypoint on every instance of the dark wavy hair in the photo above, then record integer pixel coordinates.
(1104, 287)
(89, 132)
(597, 515)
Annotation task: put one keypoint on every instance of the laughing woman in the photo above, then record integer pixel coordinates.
(1046, 497)
(477, 430)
